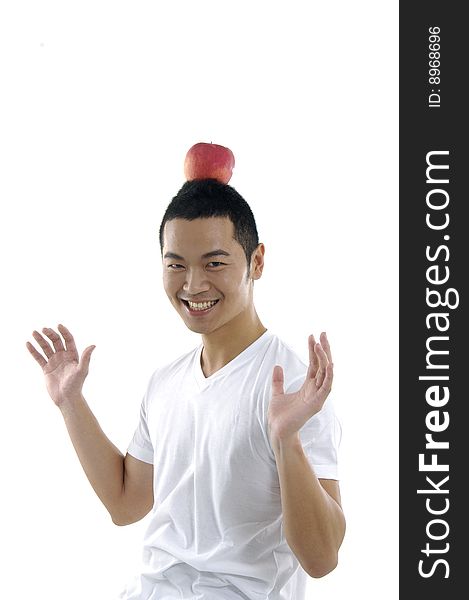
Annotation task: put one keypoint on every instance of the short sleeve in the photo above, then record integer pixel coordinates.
(141, 446)
(320, 438)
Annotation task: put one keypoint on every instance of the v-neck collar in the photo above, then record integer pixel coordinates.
(245, 355)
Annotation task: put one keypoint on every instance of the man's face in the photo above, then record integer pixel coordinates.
(202, 262)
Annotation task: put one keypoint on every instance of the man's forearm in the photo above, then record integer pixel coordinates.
(313, 521)
(102, 462)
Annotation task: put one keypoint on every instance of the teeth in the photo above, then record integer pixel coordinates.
(201, 305)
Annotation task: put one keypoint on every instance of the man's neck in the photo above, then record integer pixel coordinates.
(221, 347)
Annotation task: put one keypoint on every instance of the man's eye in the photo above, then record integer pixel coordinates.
(213, 263)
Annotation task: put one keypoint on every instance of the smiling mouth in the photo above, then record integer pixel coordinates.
(199, 307)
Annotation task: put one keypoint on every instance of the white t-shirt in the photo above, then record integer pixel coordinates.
(215, 531)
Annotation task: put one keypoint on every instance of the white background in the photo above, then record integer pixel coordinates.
(99, 103)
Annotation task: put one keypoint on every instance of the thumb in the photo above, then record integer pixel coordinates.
(86, 357)
(277, 380)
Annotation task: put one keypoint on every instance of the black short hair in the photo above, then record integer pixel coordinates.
(205, 198)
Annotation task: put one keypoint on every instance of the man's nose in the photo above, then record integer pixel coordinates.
(196, 281)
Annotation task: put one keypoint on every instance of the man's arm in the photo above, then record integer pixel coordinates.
(123, 484)
(314, 523)
(313, 520)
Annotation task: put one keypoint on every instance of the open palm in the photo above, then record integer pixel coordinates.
(64, 372)
(289, 412)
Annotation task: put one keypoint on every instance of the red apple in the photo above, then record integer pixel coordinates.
(209, 161)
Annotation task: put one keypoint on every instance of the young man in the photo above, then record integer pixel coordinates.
(235, 450)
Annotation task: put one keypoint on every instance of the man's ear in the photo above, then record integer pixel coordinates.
(257, 262)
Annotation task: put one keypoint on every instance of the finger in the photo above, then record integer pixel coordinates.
(55, 339)
(313, 359)
(323, 362)
(69, 341)
(325, 344)
(85, 359)
(327, 383)
(43, 343)
(38, 357)
(277, 380)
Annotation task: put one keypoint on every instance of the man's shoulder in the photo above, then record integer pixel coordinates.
(282, 349)
(173, 368)
(281, 352)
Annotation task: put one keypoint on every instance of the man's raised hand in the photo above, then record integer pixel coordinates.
(289, 412)
(64, 371)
